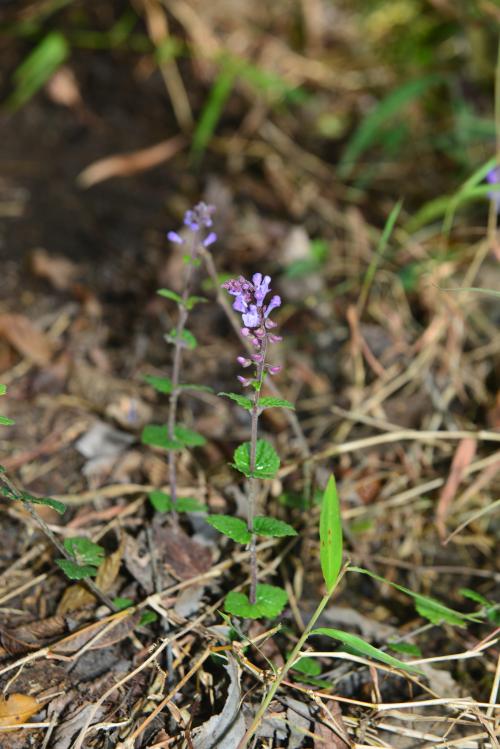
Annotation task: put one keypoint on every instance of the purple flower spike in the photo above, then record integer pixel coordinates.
(174, 237)
(249, 302)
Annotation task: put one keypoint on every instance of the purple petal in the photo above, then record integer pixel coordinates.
(275, 302)
(174, 237)
(251, 318)
(212, 237)
(239, 304)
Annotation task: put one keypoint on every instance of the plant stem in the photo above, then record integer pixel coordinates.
(288, 665)
(87, 581)
(254, 483)
(176, 370)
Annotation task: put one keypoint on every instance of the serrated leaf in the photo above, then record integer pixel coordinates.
(267, 461)
(169, 294)
(270, 602)
(156, 436)
(161, 384)
(192, 301)
(163, 503)
(75, 571)
(84, 550)
(232, 527)
(241, 400)
(54, 504)
(26, 497)
(429, 608)
(189, 437)
(269, 402)
(187, 338)
(265, 526)
(360, 647)
(330, 534)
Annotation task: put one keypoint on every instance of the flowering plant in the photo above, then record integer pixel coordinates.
(256, 459)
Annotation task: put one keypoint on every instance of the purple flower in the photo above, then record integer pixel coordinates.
(261, 287)
(174, 237)
(275, 302)
(251, 318)
(249, 302)
(197, 219)
(493, 177)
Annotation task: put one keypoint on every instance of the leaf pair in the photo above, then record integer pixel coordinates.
(237, 530)
(156, 435)
(87, 557)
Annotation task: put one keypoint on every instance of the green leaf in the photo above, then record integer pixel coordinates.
(192, 301)
(6, 422)
(429, 608)
(197, 388)
(163, 503)
(75, 571)
(267, 461)
(241, 400)
(212, 109)
(372, 126)
(189, 437)
(122, 603)
(270, 602)
(161, 384)
(307, 666)
(232, 527)
(3, 389)
(275, 403)
(360, 647)
(168, 294)
(156, 436)
(187, 338)
(37, 68)
(26, 497)
(330, 534)
(265, 526)
(148, 618)
(473, 596)
(84, 551)
(406, 648)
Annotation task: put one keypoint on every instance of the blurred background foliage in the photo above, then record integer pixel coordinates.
(380, 97)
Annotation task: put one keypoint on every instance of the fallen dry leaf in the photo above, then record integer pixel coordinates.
(16, 709)
(464, 455)
(28, 341)
(129, 163)
(58, 271)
